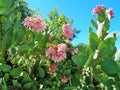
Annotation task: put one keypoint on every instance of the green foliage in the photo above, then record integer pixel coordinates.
(14, 74)
(24, 65)
(109, 67)
(94, 23)
(79, 59)
(107, 48)
(93, 41)
(41, 72)
(16, 84)
(27, 86)
(5, 67)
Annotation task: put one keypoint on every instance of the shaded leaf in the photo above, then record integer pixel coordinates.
(109, 67)
(94, 23)
(15, 72)
(41, 72)
(5, 67)
(93, 41)
(79, 59)
(107, 48)
(28, 86)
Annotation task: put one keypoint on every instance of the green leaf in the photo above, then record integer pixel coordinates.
(35, 67)
(24, 47)
(10, 20)
(4, 86)
(79, 59)
(19, 36)
(90, 29)
(25, 80)
(6, 77)
(2, 59)
(2, 9)
(104, 78)
(16, 84)
(94, 23)
(7, 4)
(6, 40)
(15, 72)
(34, 87)
(27, 86)
(109, 67)
(118, 85)
(41, 72)
(118, 74)
(5, 67)
(93, 41)
(18, 16)
(107, 48)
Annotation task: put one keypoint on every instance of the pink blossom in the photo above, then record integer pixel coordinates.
(67, 31)
(36, 24)
(52, 69)
(62, 47)
(98, 8)
(58, 56)
(57, 53)
(73, 51)
(27, 21)
(110, 13)
(50, 51)
(64, 79)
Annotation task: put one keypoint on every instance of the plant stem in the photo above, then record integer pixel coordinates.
(91, 74)
(0, 35)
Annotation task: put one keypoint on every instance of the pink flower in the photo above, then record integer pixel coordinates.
(98, 8)
(37, 24)
(58, 56)
(52, 69)
(50, 51)
(57, 53)
(110, 13)
(27, 21)
(64, 79)
(67, 31)
(73, 51)
(62, 47)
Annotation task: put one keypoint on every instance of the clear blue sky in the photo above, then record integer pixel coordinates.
(81, 13)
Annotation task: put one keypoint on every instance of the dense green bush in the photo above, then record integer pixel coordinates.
(27, 54)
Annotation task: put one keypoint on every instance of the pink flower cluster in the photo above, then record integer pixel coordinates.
(110, 13)
(67, 31)
(36, 24)
(64, 79)
(52, 69)
(98, 8)
(57, 53)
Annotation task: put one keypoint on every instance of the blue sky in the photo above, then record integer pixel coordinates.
(80, 11)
